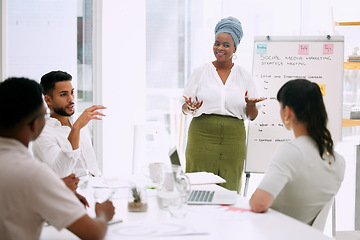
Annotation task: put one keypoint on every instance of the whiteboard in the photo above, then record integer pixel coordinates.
(280, 59)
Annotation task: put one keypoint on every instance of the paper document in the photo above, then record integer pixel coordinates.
(97, 182)
(226, 213)
(198, 178)
(144, 230)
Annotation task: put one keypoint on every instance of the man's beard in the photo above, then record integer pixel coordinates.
(62, 112)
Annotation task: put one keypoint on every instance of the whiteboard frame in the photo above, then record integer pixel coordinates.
(310, 39)
(328, 38)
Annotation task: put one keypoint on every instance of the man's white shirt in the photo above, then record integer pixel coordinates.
(53, 148)
(31, 194)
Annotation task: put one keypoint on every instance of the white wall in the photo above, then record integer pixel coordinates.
(123, 80)
(42, 38)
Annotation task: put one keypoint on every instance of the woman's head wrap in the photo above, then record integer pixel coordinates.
(230, 25)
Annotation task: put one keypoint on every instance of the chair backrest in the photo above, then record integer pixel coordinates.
(150, 145)
(320, 220)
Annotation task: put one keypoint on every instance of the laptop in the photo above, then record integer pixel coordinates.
(205, 196)
(174, 157)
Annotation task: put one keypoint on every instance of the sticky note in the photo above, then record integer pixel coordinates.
(328, 48)
(303, 49)
(261, 48)
(322, 88)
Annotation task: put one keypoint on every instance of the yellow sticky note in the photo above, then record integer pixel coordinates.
(322, 88)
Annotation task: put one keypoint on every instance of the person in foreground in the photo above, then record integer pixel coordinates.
(31, 192)
(65, 144)
(220, 95)
(305, 173)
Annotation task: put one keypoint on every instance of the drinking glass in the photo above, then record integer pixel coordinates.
(174, 191)
(83, 175)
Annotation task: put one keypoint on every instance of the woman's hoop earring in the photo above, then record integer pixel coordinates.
(234, 56)
(286, 121)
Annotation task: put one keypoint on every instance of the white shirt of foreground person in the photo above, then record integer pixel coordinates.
(53, 148)
(300, 181)
(30, 194)
(219, 98)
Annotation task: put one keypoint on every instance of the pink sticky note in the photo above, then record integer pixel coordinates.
(303, 49)
(328, 48)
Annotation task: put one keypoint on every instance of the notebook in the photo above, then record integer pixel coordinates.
(205, 196)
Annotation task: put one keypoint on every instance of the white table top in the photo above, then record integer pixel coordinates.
(204, 222)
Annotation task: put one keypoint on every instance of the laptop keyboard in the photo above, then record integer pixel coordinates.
(201, 196)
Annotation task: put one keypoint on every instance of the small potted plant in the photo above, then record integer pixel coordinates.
(137, 200)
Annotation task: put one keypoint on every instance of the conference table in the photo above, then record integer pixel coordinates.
(200, 222)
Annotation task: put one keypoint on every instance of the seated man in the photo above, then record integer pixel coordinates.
(31, 193)
(65, 144)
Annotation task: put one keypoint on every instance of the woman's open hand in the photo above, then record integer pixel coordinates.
(252, 101)
(192, 106)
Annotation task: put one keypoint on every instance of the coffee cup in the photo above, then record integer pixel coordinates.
(154, 171)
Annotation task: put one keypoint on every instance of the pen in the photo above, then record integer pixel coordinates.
(82, 175)
(114, 221)
(85, 174)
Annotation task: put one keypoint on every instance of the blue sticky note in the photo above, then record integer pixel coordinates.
(261, 48)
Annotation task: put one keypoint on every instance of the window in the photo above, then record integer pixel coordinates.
(85, 54)
(52, 35)
(45, 35)
(165, 63)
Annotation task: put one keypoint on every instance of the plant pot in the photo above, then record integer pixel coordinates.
(137, 207)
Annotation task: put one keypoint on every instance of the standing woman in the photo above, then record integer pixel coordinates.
(218, 97)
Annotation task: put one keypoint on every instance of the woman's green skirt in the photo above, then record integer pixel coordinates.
(217, 144)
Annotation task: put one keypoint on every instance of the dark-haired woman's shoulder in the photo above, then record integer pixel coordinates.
(340, 163)
(287, 157)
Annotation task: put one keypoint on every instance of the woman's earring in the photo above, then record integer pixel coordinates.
(234, 56)
(286, 121)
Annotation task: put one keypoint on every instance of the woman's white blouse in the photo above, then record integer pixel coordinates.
(219, 98)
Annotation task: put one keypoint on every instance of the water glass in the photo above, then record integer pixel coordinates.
(173, 192)
(83, 175)
(177, 207)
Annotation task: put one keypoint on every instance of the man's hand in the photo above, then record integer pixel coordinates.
(71, 182)
(105, 210)
(89, 114)
(82, 199)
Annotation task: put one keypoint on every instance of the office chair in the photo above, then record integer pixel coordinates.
(149, 145)
(320, 220)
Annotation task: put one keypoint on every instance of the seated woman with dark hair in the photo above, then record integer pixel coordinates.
(305, 173)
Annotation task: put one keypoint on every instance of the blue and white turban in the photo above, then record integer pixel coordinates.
(230, 25)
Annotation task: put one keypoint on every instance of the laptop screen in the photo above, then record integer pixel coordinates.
(174, 157)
